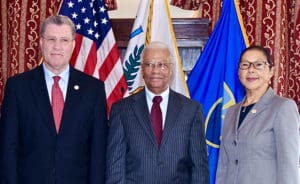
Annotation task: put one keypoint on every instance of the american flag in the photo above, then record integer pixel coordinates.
(96, 52)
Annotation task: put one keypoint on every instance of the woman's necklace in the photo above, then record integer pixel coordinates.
(247, 108)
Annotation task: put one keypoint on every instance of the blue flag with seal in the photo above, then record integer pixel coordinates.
(214, 80)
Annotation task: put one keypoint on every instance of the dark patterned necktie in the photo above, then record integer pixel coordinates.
(156, 118)
(57, 102)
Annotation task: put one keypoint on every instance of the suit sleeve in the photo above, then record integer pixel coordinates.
(99, 138)
(286, 130)
(116, 150)
(223, 159)
(9, 136)
(222, 165)
(198, 151)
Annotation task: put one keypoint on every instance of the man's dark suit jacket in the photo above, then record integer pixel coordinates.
(31, 152)
(133, 156)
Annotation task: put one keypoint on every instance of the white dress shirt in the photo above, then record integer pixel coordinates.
(163, 105)
(63, 82)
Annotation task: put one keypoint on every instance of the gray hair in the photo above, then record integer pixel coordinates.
(58, 20)
(159, 45)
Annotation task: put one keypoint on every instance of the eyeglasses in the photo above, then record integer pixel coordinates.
(159, 65)
(52, 40)
(258, 65)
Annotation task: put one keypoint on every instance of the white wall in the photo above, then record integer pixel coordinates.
(128, 9)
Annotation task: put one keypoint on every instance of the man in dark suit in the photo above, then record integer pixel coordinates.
(43, 145)
(154, 142)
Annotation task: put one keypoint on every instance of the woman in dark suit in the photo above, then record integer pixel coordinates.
(260, 137)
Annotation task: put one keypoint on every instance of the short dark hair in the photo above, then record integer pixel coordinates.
(58, 20)
(264, 50)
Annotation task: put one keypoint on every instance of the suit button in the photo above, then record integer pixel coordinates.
(236, 162)
(234, 142)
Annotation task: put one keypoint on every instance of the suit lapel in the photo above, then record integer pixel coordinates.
(140, 108)
(259, 107)
(72, 99)
(173, 111)
(237, 117)
(41, 97)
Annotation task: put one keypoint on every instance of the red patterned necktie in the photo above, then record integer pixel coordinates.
(57, 102)
(156, 118)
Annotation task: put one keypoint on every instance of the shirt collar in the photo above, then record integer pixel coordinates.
(63, 75)
(150, 95)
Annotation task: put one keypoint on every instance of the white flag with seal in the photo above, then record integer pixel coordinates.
(152, 23)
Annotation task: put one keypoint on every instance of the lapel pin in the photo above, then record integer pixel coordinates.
(76, 87)
(253, 111)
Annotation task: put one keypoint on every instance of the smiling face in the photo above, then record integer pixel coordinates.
(57, 45)
(255, 79)
(157, 69)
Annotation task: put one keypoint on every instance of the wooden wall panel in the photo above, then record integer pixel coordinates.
(191, 36)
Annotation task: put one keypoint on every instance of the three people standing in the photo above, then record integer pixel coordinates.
(53, 125)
